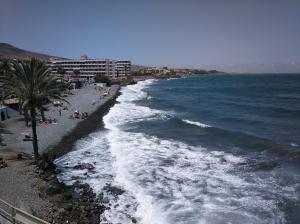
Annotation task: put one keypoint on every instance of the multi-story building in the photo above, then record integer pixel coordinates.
(87, 68)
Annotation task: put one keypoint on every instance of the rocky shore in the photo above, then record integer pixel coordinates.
(69, 204)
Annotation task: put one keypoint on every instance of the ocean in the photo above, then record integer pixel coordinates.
(201, 149)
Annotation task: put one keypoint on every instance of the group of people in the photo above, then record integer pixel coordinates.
(79, 115)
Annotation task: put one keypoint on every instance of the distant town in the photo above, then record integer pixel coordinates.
(85, 68)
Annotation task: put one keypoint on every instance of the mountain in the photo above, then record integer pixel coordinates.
(8, 51)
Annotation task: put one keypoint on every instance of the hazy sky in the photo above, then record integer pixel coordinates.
(158, 32)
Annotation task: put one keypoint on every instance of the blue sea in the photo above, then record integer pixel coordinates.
(201, 149)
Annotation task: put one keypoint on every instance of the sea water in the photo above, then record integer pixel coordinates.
(201, 149)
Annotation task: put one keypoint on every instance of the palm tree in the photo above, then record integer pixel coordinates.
(61, 71)
(76, 72)
(4, 71)
(5, 66)
(31, 82)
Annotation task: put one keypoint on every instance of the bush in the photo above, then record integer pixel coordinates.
(139, 73)
(102, 79)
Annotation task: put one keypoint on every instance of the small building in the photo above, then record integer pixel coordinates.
(3, 113)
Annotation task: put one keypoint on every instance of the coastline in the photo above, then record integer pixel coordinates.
(86, 99)
(45, 197)
(76, 203)
(83, 128)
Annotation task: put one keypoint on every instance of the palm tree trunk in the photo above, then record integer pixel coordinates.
(34, 135)
(26, 116)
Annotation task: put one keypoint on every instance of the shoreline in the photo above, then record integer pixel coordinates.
(83, 128)
(86, 99)
(77, 201)
(50, 199)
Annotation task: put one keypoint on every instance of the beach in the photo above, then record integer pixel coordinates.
(25, 185)
(86, 99)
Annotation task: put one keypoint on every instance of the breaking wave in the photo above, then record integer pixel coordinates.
(196, 123)
(165, 181)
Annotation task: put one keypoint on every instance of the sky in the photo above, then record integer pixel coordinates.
(236, 35)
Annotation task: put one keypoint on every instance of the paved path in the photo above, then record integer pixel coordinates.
(19, 187)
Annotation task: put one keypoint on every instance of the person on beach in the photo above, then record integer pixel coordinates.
(59, 112)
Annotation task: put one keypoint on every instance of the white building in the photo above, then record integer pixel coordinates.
(88, 68)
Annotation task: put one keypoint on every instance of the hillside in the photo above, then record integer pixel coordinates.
(10, 52)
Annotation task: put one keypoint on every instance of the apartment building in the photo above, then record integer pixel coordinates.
(87, 68)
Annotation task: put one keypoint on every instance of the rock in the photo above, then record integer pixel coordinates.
(51, 177)
(3, 164)
(46, 163)
(82, 166)
(68, 207)
(57, 171)
(113, 190)
(85, 187)
(133, 220)
(87, 152)
(61, 210)
(67, 196)
(75, 177)
(54, 187)
(51, 190)
(105, 200)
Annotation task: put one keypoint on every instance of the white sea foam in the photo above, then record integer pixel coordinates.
(168, 181)
(294, 144)
(196, 123)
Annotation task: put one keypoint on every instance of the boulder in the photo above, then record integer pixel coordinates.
(3, 164)
(82, 166)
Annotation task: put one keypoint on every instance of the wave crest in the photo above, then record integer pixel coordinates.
(196, 123)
